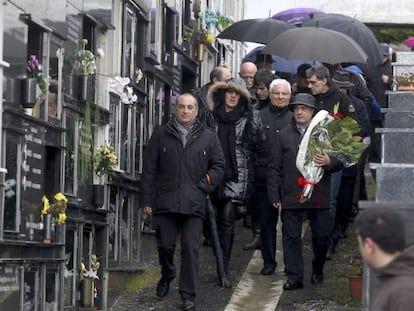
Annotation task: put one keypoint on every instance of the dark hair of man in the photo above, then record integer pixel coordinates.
(384, 226)
(263, 76)
(320, 72)
(216, 73)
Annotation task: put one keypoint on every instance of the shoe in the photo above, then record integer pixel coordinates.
(225, 282)
(163, 287)
(188, 305)
(331, 252)
(267, 270)
(254, 244)
(292, 285)
(316, 278)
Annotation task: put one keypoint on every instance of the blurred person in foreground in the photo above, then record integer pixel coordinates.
(283, 190)
(183, 162)
(382, 243)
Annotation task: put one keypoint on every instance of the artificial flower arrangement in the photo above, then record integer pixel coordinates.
(83, 62)
(92, 272)
(405, 79)
(66, 272)
(138, 75)
(56, 206)
(105, 161)
(216, 18)
(331, 133)
(34, 70)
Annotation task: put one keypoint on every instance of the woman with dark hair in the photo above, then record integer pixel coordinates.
(240, 130)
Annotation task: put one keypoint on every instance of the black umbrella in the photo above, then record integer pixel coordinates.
(351, 27)
(316, 43)
(215, 241)
(259, 30)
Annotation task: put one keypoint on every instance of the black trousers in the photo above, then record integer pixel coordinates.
(321, 223)
(167, 227)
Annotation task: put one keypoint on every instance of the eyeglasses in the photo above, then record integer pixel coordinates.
(229, 80)
(280, 93)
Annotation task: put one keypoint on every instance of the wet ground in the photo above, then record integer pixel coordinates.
(250, 291)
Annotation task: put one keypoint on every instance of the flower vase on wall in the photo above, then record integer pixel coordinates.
(59, 236)
(98, 195)
(72, 85)
(28, 92)
(84, 87)
(87, 292)
(406, 88)
(47, 228)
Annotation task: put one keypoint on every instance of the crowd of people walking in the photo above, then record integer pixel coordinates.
(235, 142)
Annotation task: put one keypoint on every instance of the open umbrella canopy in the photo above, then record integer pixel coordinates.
(351, 27)
(409, 42)
(324, 45)
(279, 64)
(259, 30)
(295, 16)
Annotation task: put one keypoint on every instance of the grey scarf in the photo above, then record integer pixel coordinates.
(183, 130)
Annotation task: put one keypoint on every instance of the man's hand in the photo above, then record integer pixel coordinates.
(277, 205)
(148, 210)
(322, 159)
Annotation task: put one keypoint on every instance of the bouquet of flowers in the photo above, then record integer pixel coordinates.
(56, 206)
(34, 70)
(83, 61)
(105, 161)
(330, 133)
(92, 272)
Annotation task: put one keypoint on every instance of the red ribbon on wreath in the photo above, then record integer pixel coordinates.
(302, 182)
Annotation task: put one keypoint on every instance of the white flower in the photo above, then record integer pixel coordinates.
(100, 52)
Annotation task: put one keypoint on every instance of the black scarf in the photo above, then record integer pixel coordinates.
(226, 122)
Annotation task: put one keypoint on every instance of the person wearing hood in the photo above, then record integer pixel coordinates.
(382, 244)
(240, 131)
(183, 162)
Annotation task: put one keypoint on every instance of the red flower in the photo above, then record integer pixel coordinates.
(337, 115)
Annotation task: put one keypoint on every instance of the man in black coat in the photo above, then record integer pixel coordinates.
(283, 190)
(183, 162)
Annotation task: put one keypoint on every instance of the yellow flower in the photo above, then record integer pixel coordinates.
(209, 38)
(61, 218)
(60, 197)
(46, 205)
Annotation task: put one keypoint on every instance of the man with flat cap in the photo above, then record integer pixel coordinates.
(283, 191)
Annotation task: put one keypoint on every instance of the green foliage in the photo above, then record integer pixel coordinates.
(337, 138)
(86, 145)
(394, 35)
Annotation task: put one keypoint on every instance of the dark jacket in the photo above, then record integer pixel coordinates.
(249, 135)
(204, 113)
(273, 119)
(173, 179)
(328, 100)
(396, 287)
(283, 174)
